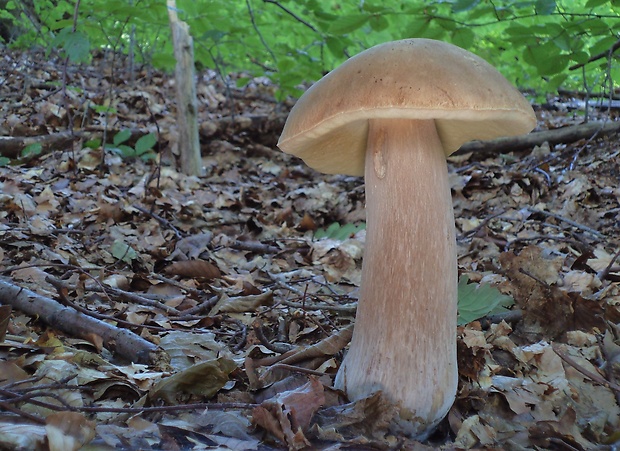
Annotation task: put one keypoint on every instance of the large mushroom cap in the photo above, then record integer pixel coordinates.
(415, 79)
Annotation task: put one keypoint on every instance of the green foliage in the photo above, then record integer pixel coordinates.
(31, 150)
(477, 301)
(123, 252)
(143, 148)
(339, 232)
(75, 44)
(533, 42)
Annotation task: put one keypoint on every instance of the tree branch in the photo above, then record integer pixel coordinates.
(568, 134)
(121, 341)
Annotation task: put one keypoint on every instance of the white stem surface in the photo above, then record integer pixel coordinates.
(404, 341)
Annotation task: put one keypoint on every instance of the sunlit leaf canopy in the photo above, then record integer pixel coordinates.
(539, 45)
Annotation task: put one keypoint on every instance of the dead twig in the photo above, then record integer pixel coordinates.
(484, 222)
(602, 275)
(567, 221)
(279, 348)
(592, 376)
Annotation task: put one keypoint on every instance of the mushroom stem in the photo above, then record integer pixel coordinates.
(404, 341)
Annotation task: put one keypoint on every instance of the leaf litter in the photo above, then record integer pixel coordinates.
(251, 311)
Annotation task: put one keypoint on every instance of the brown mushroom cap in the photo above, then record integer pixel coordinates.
(409, 79)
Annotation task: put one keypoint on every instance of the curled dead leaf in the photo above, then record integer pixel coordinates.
(239, 304)
(193, 268)
(358, 422)
(203, 379)
(68, 431)
(287, 415)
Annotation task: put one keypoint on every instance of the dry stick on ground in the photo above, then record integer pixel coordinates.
(568, 134)
(11, 146)
(585, 228)
(123, 342)
(592, 376)
(61, 287)
(605, 272)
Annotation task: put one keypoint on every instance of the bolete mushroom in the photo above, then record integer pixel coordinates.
(394, 113)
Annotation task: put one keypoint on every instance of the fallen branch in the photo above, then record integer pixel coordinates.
(260, 128)
(12, 146)
(121, 341)
(568, 134)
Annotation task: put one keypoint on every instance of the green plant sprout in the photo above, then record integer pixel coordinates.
(143, 148)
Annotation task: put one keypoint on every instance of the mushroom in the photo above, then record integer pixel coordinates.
(393, 113)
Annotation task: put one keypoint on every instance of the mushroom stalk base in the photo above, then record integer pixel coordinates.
(404, 341)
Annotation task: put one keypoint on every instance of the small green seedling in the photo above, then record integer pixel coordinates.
(143, 149)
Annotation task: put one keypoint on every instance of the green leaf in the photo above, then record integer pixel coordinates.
(322, 15)
(347, 24)
(463, 37)
(602, 45)
(477, 301)
(545, 7)
(336, 46)
(145, 143)
(417, 28)
(595, 3)
(126, 151)
(74, 43)
(378, 23)
(374, 9)
(4, 161)
(337, 232)
(104, 109)
(214, 35)
(31, 150)
(520, 34)
(546, 58)
(563, 41)
(121, 137)
(464, 5)
(554, 82)
(122, 251)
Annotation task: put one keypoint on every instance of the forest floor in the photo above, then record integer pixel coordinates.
(206, 312)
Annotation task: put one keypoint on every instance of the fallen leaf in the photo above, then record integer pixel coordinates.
(193, 268)
(287, 415)
(68, 431)
(203, 379)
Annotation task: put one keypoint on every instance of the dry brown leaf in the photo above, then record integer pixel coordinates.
(287, 415)
(18, 436)
(193, 268)
(360, 422)
(68, 431)
(240, 304)
(203, 379)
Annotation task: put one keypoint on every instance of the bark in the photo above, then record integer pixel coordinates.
(187, 103)
(11, 146)
(123, 342)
